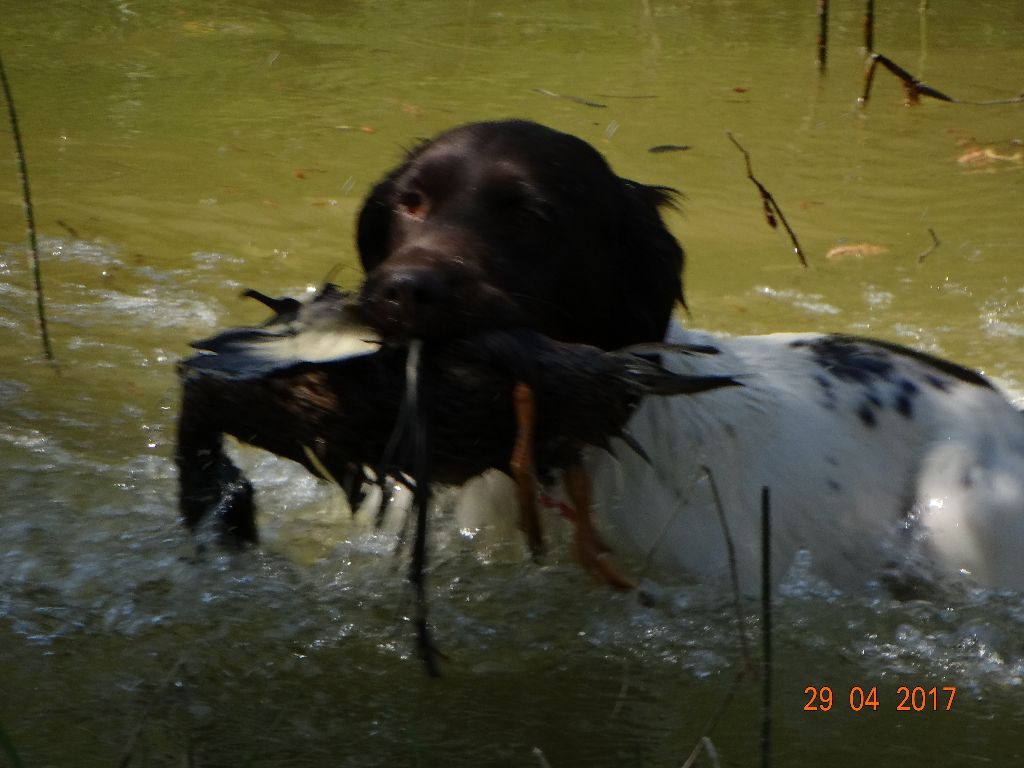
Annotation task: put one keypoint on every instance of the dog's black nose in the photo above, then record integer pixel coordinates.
(408, 301)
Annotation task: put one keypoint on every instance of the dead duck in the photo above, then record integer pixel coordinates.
(316, 385)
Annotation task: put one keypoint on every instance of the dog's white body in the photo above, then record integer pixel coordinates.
(884, 467)
(880, 465)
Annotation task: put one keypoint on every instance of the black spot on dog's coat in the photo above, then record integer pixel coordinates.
(879, 369)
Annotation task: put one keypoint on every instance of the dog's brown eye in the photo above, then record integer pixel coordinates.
(413, 204)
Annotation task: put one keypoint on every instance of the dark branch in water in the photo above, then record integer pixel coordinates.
(914, 89)
(928, 251)
(822, 35)
(773, 214)
(30, 219)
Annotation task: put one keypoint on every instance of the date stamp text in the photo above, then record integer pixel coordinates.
(918, 698)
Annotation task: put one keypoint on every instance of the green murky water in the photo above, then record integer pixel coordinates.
(180, 151)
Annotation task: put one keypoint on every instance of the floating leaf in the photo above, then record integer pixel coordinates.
(855, 250)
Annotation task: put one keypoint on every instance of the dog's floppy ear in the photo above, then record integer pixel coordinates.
(373, 227)
(649, 262)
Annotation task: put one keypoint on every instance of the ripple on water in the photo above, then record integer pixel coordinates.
(80, 252)
(809, 302)
(37, 443)
(153, 306)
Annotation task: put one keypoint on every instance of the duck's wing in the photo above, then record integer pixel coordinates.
(326, 329)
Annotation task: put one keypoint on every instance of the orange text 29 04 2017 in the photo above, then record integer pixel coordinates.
(905, 698)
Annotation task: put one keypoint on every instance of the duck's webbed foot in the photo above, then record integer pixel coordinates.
(524, 468)
(591, 551)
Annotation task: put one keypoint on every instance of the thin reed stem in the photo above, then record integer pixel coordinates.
(30, 219)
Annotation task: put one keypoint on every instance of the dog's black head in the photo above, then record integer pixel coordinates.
(510, 223)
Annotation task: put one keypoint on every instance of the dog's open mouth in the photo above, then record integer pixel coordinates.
(317, 385)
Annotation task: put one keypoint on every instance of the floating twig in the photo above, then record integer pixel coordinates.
(766, 623)
(30, 219)
(663, 148)
(773, 214)
(822, 35)
(928, 251)
(913, 89)
(869, 26)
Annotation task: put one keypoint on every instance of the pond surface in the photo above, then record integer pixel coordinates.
(182, 151)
